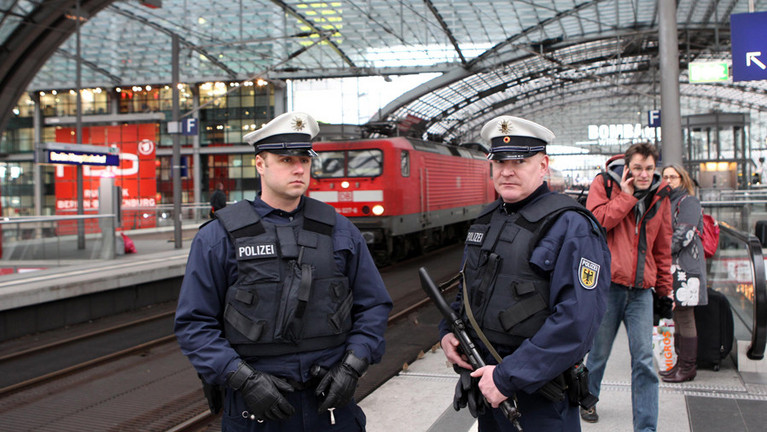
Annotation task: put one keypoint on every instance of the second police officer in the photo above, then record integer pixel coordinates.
(281, 304)
(536, 267)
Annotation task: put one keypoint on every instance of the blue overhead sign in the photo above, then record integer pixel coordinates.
(189, 126)
(748, 33)
(653, 118)
(81, 158)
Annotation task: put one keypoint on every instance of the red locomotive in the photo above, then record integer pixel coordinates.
(403, 194)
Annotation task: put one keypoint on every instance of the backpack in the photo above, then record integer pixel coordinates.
(710, 235)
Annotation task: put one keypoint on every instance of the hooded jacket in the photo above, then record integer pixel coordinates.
(640, 247)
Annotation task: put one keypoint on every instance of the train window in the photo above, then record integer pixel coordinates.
(361, 163)
(404, 163)
(365, 163)
(328, 164)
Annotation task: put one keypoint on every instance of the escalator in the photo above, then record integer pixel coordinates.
(737, 270)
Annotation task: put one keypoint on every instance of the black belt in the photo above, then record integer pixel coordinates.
(626, 287)
(301, 386)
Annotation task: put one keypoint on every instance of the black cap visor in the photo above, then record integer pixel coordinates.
(515, 147)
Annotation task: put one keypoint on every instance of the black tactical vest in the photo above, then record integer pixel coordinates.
(509, 298)
(289, 295)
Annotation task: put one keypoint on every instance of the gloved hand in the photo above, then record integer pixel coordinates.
(467, 393)
(262, 393)
(339, 383)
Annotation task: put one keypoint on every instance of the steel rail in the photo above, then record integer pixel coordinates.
(80, 338)
(24, 385)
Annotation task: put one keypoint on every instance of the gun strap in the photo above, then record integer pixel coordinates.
(474, 323)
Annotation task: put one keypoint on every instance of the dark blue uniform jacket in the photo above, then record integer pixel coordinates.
(212, 268)
(576, 312)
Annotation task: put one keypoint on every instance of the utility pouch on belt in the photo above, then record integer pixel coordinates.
(554, 390)
(214, 394)
(577, 379)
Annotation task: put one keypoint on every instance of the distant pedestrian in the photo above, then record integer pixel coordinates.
(217, 199)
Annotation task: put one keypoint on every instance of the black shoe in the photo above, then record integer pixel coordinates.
(590, 415)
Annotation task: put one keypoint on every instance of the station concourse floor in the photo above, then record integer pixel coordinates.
(420, 399)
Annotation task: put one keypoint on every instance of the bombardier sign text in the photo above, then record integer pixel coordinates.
(749, 46)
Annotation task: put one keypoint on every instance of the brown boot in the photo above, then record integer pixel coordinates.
(665, 373)
(688, 350)
(676, 365)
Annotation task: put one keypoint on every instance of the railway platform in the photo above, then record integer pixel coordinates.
(34, 280)
(420, 398)
(38, 293)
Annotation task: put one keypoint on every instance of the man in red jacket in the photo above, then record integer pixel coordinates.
(631, 201)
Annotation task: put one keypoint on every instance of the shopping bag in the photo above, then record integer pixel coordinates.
(663, 344)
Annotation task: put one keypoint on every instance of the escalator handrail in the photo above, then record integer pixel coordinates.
(759, 330)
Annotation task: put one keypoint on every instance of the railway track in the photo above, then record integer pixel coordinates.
(151, 386)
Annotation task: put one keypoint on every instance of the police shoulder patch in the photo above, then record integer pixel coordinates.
(588, 273)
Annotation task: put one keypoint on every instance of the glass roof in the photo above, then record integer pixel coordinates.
(521, 57)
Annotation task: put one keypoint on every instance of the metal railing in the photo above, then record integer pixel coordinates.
(46, 240)
(737, 270)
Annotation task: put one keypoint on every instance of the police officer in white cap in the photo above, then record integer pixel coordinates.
(282, 306)
(536, 267)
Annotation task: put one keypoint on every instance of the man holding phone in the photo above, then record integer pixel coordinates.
(631, 201)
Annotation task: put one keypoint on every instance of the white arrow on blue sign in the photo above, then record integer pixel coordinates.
(748, 32)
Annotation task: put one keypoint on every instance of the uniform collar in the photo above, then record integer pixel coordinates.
(263, 209)
(509, 208)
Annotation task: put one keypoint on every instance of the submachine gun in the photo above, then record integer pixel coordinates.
(458, 328)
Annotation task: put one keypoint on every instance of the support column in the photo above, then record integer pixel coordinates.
(196, 166)
(671, 119)
(280, 100)
(79, 134)
(37, 170)
(175, 164)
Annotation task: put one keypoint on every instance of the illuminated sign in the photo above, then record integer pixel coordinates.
(612, 134)
(133, 146)
(702, 72)
(81, 158)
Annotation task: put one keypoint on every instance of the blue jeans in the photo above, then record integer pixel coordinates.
(634, 308)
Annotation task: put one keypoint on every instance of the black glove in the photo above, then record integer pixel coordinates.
(339, 383)
(662, 307)
(467, 393)
(262, 393)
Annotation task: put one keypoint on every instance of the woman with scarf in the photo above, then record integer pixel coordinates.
(688, 269)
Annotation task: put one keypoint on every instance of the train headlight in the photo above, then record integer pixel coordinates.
(345, 184)
(378, 209)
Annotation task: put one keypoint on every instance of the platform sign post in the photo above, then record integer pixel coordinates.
(107, 206)
(748, 32)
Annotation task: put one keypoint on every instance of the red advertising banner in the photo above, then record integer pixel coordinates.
(136, 175)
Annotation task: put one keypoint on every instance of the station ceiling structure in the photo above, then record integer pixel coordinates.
(528, 58)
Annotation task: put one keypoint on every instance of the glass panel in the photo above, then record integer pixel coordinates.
(726, 143)
(365, 163)
(405, 163)
(328, 164)
(698, 144)
(729, 272)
